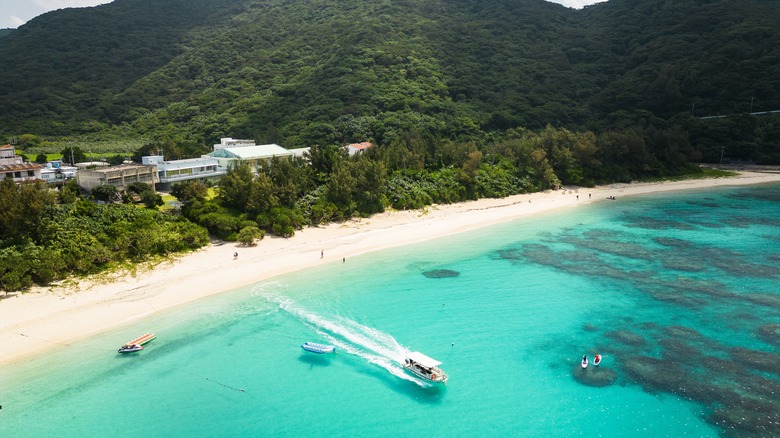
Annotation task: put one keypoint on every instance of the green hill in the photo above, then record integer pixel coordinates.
(325, 71)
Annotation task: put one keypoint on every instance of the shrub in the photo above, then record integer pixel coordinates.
(248, 235)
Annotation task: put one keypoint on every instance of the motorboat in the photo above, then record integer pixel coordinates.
(597, 360)
(129, 348)
(314, 347)
(425, 367)
(584, 362)
(137, 343)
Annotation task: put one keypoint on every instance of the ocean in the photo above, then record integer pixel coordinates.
(679, 292)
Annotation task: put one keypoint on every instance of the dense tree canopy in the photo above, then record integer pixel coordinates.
(181, 74)
(42, 240)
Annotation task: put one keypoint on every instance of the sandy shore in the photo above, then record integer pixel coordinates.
(48, 317)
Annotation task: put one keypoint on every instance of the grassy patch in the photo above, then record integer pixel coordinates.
(93, 148)
(55, 157)
(167, 199)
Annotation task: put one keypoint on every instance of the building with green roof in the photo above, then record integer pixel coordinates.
(254, 155)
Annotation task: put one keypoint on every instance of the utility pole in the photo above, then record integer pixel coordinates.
(751, 106)
(721, 154)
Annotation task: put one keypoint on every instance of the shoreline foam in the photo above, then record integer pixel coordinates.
(44, 318)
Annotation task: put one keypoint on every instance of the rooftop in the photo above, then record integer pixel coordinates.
(250, 152)
(423, 359)
(20, 166)
(361, 146)
(120, 167)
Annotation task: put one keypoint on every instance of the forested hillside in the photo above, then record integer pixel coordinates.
(327, 71)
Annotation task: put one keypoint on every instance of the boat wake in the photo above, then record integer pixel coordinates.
(370, 344)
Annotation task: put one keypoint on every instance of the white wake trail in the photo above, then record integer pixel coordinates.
(370, 344)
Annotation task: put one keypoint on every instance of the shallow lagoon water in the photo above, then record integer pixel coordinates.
(677, 291)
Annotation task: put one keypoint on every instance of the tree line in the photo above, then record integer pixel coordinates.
(48, 236)
(414, 171)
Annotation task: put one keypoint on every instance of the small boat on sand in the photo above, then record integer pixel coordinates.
(129, 348)
(314, 347)
(425, 367)
(137, 343)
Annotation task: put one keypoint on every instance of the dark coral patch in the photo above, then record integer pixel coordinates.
(770, 333)
(745, 422)
(589, 328)
(441, 273)
(594, 376)
(510, 254)
(626, 337)
(759, 360)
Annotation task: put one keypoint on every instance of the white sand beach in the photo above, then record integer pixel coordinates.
(45, 318)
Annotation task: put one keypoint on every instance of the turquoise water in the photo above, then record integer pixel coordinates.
(678, 292)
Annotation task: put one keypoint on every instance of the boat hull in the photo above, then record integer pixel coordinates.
(137, 344)
(437, 376)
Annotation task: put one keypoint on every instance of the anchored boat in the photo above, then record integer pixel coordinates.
(318, 348)
(137, 343)
(425, 367)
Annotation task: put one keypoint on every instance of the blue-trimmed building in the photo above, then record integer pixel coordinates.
(171, 172)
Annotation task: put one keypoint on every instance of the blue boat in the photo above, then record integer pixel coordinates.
(318, 348)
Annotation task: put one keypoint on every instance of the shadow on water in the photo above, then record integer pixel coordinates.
(430, 394)
(316, 360)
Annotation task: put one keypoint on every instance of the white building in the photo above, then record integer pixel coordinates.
(117, 176)
(14, 167)
(300, 152)
(171, 172)
(228, 142)
(356, 148)
(57, 173)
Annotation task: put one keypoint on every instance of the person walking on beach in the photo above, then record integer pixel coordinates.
(322, 254)
(235, 255)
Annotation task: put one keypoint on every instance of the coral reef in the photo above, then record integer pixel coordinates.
(441, 273)
(594, 376)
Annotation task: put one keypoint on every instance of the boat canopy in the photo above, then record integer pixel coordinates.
(423, 359)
